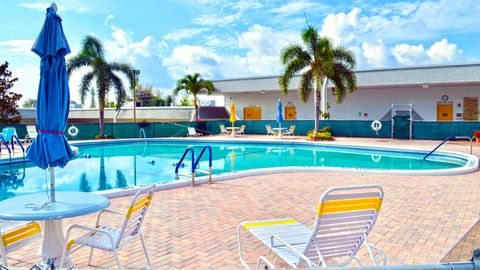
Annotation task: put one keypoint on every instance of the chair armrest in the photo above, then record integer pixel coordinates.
(307, 260)
(109, 212)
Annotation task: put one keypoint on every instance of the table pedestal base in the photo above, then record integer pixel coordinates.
(53, 243)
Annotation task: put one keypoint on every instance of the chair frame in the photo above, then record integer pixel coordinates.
(28, 136)
(241, 131)
(17, 236)
(223, 130)
(140, 202)
(192, 132)
(290, 131)
(302, 256)
(270, 131)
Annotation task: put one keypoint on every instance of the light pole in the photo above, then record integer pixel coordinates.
(136, 72)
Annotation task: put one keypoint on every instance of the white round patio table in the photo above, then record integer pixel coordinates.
(68, 204)
(280, 131)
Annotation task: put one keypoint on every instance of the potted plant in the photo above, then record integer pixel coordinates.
(476, 135)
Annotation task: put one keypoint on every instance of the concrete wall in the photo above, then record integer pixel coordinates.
(363, 104)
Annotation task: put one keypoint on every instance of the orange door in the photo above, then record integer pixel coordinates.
(252, 113)
(290, 113)
(444, 112)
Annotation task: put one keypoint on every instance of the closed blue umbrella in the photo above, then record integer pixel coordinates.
(279, 114)
(50, 149)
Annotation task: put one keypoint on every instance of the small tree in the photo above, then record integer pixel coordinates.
(193, 84)
(185, 101)
(8, 99)
(30, 103)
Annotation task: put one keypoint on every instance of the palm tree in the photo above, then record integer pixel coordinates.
(104, 74)
(318, 63)
(193, 84)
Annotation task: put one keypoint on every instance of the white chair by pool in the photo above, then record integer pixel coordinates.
(223, 130)
(111, 238)
(270, 131)
(15, 235)
(241, 131)
(31, 133)
(345, 217)
(193, 133)
(290, 131)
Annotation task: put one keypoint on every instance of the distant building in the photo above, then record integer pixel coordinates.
(436, 93)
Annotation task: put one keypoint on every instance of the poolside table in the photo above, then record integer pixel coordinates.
(68, 204)
(233, 130)
(280, 130)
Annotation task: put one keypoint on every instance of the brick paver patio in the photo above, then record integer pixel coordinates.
(422, 218)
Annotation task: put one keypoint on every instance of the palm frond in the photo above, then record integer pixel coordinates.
(293, 68)
(291, 52)
(310, 37)
(345, 56)
(206, 84)
(78, 62)
(306, 86)
(126, 69)
(92, 46)
(344, 80)
(119, 88)
(85, 85)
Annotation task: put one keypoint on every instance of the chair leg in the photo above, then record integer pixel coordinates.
(4, 259)
(117, 259)
(145, 250)
(90, 257)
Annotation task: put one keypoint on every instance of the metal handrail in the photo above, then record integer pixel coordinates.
(142, 130)
(177, 166)
(209, 172)
(451, 138)
(8, 148)
(20, 144)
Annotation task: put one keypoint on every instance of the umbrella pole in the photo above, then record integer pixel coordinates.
(52, 184)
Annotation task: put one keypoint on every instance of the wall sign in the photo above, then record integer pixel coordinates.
(444, 97)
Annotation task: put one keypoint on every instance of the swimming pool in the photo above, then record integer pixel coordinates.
(120, 165)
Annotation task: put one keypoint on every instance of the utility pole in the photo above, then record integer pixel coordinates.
(136, 74)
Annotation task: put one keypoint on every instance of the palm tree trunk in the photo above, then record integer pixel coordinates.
(196, 107)
(101, 120)
(316, 101)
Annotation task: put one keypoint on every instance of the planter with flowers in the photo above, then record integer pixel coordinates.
(476, 135)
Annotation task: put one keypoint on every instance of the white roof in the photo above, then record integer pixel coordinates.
(458, 74)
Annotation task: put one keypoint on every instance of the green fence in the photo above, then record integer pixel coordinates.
(341, 128)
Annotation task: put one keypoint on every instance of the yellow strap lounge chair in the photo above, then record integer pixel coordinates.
(110, 238)
(345, 217)
(17, 234)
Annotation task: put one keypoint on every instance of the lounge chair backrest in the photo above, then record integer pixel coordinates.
(242, 128)
(269, 128)
(32, 131)
(136, 213)
(8, 133)
(223, 129)
(345, 216)
(191, 131)
(292, 128)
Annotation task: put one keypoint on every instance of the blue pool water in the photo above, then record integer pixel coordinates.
(118, 165)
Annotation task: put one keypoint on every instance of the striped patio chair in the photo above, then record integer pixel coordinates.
(111, 238)
(17, 234)
(345, 217)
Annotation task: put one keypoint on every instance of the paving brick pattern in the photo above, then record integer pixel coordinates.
(422, 218)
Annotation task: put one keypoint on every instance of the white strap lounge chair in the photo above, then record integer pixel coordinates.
(223, 130)
(111, 238)
(270, 131)
(345, 217)
(290, 131)
(193, 133)
(15, 235)
(241, 131)
(31, 133)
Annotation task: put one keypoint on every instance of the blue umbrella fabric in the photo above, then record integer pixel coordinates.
(279, 113)
(50, 148)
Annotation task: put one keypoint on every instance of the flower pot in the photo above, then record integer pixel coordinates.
(477, 139)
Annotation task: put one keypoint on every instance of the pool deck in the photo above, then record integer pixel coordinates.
(423, 218)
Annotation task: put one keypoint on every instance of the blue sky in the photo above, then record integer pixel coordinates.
(166, 39)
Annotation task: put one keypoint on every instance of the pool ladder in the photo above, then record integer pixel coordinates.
(195, 163)
(452, 138)
(13, 140)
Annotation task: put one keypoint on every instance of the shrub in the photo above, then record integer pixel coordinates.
(323, 134)
(476, 134)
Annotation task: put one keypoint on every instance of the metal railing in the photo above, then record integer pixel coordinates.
(451, 138)
(19, 144)
(142, 132)
(2, 139)
(194, 164)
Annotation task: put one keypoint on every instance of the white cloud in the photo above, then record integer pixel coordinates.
(341, 27)
(439, 53)
(187, 59)
(217, 20)
(22, 46)
(184, 33)
(108, 19)
(295, 7)
(376, 54)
